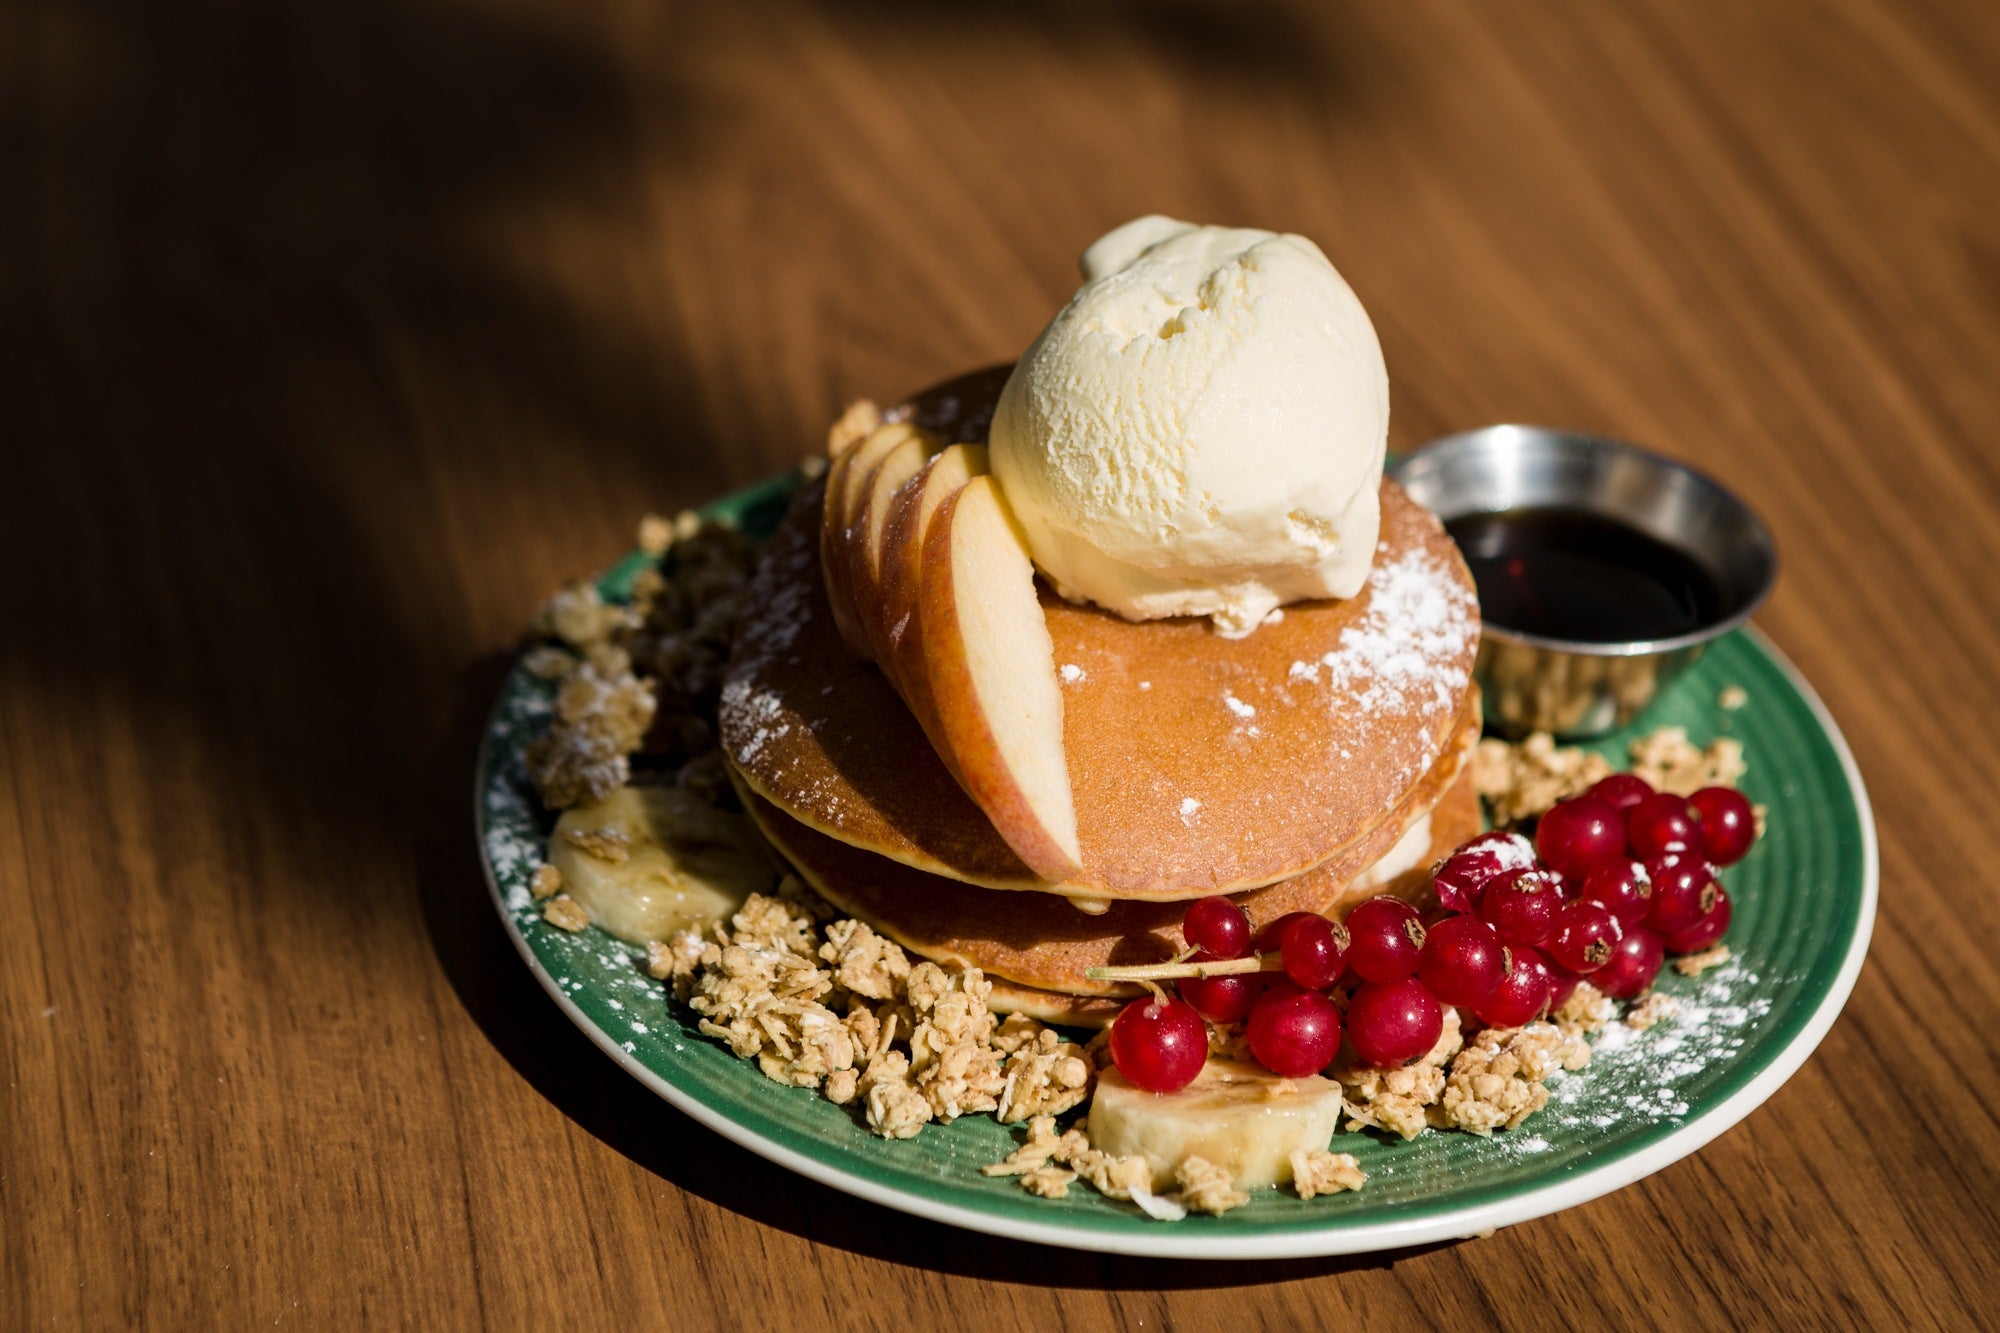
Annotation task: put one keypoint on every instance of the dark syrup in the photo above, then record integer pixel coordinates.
(1571, 574)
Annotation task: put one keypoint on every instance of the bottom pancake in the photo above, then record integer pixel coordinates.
(1036, 947)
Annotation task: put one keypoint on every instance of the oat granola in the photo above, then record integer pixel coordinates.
(1694, 964)
(915, 1043)
(1206, 1187)
(1500, 1078)
(606, 844)
(580, 617)
(1518, 780)
(1655, 1008)
(1048, 1182)
(602, 711)
(1044, 1077)
(564, 913)
(1586, 1010)
(1671, 762)
(1316, 1171)
(644, 676)
(1399, 1100)
(864, 962)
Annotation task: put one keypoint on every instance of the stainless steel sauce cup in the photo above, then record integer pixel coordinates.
(1579, 689)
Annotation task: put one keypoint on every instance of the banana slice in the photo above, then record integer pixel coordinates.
(1243, 1118)
(655, 860)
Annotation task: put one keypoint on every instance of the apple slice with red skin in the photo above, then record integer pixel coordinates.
(866, 537)
(901, 579)
(990, 664)
(845, 478)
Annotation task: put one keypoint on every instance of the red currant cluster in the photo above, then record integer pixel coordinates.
(1615, 880)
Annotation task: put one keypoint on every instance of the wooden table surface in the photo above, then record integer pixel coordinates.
(338, 334)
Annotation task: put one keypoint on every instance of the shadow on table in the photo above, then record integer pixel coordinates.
(304, 298)
(552, 1054)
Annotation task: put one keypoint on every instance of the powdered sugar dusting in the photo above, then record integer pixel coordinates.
(1408, 651)
(752, 717)
(756, 718)
(1071, 673)
(1646, 1075)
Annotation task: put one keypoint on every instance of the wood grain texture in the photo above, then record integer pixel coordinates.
(336, 335)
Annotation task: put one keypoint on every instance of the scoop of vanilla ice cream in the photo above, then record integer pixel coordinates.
(1200, 431)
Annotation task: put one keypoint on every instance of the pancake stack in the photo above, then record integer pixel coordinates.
(1312, 763)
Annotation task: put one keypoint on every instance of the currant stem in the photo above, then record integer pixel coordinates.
(1229, 967)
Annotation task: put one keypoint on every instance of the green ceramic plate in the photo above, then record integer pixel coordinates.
(1805, 903)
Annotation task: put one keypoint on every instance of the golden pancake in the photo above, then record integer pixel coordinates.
(1040, 940)
(1199, 764)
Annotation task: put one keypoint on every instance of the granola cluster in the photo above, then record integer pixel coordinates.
(645, 676)
(1587, 1010)
(1048, 1162)
(1399, 1100)
(829, 1004)
(1496, 1080)
(1316, 1171)
(1655, 1008)
(1206, 1187)
(1501, 1077)
(1519, 780)
(602, 713)
(1671, 762)
(1694, 964)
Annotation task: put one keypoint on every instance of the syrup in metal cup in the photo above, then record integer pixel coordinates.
(1603, 570)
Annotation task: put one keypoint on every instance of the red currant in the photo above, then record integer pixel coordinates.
(1293, 1032)
(1393, 1023)
(1635, 961)
(1384, 937)
(1310, 946)
(1583, 937)
(1684, 890)
(1728, 824)
(1707, 932)
(1462, 961)
(1622, 888)
(1660, 824)
(1521, 906)
(1217, 928)
(1575, 835)
(1562, 984)
(1159, 1047)
(1460, 877)
(1221, 999)
(1621, 791)
(1523, 996)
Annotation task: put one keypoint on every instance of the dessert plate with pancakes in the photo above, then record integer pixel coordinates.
(1313, 762)
(1190, 761)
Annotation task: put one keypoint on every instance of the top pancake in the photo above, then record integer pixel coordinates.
(1199, 764)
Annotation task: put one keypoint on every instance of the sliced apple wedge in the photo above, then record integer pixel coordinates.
(854, 426)
(865, 536)
(899, 626)
(845, 477)
(991, 667)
